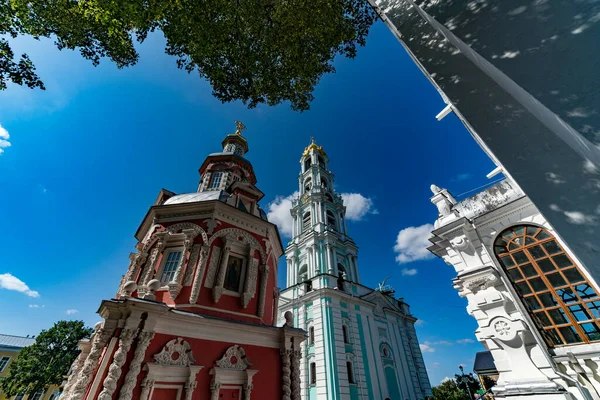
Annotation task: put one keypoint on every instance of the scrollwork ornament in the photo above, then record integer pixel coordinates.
(481, 283)
(147, 384)
(286, 378)
(175, 352)
(234, 358)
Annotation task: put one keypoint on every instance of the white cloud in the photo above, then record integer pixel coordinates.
(461, 177)
(446, 379)
(358, 206)
(34, 306)
(412, 243)
(420, 322)
(464, 341)
(4, 136)
(279, 213)
(409, 272)
(436, 364)
(10, 282)
(72, 311)
(426, 347)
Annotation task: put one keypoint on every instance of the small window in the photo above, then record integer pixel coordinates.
(303, 273)
(321, 162)
(306, 221)
(215, 180)
(19, 396)
(4, 362)
(307, 185)
(36, 396)
(331, 219)
(307, 164)
(345, 332)
(350, 372)
(313, 373)
(171, 262)
(342, 271)
(233, 275)
(311, 335)
(54, 395)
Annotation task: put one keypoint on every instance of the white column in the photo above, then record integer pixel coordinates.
(329, 259)
(356, 276)
(315, 259)
(143, 341)
(114, 371)
(335, 268)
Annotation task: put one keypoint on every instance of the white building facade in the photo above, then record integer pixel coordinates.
(537, 307)
(362, 342)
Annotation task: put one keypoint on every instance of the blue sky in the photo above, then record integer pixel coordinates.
(88, 156)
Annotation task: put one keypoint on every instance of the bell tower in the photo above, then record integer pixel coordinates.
(320, 242)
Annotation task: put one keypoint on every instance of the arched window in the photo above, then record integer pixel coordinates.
(342, 271)
(350, 372)
(560, 300)
(386, 352)
(321, 162)
(307, 185)
(307, 164)
(331, 219)
(306, 221)
(303, 273)
(346, 336)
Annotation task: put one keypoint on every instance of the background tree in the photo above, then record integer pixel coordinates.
(448, 390)
(256, 51)
(45, 362)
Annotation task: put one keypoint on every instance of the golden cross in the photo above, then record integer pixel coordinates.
(239, 127)
(312, 138)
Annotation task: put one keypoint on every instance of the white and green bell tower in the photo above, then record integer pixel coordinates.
(320, 242)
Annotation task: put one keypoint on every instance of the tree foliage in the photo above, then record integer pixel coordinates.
(256, 51)
(45, 362)
(448, 390)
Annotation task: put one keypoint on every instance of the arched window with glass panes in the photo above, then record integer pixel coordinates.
(560, 299)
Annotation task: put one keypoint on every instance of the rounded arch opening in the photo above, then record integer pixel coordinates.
(307, 164)
(331, 220)
(561, 301)
(307, 185)
(303, 273)
(342, 270)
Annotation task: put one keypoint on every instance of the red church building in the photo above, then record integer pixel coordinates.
(195, 312)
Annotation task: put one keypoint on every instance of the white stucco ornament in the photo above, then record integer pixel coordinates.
(175, 352)
(234, 358)
(503, 328)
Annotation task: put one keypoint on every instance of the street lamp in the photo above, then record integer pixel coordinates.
(466, 379)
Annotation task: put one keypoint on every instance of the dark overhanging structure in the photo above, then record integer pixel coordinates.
(524, 78)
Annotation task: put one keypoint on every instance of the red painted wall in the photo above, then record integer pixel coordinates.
(164, 394)
(266, 382)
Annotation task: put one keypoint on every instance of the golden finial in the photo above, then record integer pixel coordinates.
(313, 146)
(239, 127)
(312, 139)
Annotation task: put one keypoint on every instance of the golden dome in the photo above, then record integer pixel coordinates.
(313, 146)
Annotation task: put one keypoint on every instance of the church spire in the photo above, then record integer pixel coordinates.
(320, 242)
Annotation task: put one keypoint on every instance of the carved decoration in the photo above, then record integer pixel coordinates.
(295, 376)
(199, 274)
(144, 339)
(191, 267)
(101, 337)
(250, 284)
(502, 328)
(175, 352)
(214, 389)
(245, 237)
(147, 384)
(212, 268)
(287, 372)
(264, 277)
(76, 368)
(481, 283)
(197, 229)
(114, 371)
(211, 224)
(218, 289)
(234, 358)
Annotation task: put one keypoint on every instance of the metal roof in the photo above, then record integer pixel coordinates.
(194, 197)
(484, 363)
(15, 341)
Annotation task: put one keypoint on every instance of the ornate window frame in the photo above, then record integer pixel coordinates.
(243, 273)
(548, 281)
(173, 369)
(232, 370)
(175, 247)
